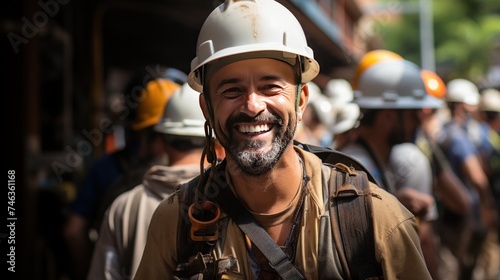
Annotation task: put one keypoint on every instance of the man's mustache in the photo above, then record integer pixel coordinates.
(263, 117)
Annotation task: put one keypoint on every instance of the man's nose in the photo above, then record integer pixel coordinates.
(254, 103)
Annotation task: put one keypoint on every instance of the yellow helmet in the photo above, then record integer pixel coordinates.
(152, 102)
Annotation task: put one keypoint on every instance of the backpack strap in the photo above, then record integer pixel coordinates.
(352, 224)
(330, 156)
(194, 258)
(186, 247)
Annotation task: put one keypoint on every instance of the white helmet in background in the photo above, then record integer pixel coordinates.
(321, 105)
(339, 91)
(245, 29)
(347, 117)
(462, 91)
(490, 101)
(182, 115)
(346, 114)
(393, 84)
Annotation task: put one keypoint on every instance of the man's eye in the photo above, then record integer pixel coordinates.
(232, 92)
(270, 88)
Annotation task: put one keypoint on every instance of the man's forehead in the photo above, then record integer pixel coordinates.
(262, 68)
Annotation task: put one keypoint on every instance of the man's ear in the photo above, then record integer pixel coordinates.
(302, 102)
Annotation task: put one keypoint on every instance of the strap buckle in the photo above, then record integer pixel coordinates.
(204, 216)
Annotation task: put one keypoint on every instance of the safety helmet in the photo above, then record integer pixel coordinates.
(172, 74)
(433, 83)
(490, 100)
(371, 58)
(320, 103)
(462, 91)
(339, 91)
(151, 102)
(182, 115)
(393, 84)
(245, 29)
(347, 117)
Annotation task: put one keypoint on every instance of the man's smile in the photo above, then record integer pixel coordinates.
(254, 128)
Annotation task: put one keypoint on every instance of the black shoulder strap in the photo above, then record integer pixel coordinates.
(352, 224)
(194, 257)
(186, 247)
(328, 155)
(350, 213)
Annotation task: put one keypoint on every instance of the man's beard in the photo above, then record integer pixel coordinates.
(256, 163)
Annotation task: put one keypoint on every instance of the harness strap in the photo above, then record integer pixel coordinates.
(352, 223)
(278, 260)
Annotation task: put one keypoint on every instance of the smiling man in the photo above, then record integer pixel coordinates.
(263, 213)
(256, 113)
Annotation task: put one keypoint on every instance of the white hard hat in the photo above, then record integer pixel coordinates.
(463, 91)
(182, 115)
(347, 117)
(251, 29)
(339, 91)
(490, 100)
(393, 84)
(320, 104)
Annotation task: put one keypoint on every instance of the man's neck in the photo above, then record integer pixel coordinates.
(271, 192)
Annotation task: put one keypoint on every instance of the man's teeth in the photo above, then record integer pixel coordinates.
(254, 128)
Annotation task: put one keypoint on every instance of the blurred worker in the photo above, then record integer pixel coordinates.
(123, 233)
(316, 120)
(371, 58)
(465, 235)
(144, 99)
(449, 190)
(346, 114)
(489, 117)
(390, 93)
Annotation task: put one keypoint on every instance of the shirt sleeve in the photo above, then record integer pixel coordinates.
(397, 244)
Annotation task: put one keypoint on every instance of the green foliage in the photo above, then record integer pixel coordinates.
(466, 33)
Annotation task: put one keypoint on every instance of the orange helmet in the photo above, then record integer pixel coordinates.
(152, 102)
(433, 83)
(371, 58)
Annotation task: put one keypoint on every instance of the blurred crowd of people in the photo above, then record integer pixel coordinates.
(434, 145)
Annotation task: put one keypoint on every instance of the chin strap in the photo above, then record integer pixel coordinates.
(203, 213)
(211, 156)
